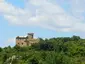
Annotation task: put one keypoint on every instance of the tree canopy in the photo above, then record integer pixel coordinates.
(61, 50)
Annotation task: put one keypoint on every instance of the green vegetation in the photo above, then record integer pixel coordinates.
(62, 50)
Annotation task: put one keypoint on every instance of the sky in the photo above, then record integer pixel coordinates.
(44, 18)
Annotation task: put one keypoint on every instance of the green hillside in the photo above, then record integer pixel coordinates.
(61, 50)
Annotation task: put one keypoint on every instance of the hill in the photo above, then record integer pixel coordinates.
(61, 50)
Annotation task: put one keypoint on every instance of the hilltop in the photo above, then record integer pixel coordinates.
(61, 50)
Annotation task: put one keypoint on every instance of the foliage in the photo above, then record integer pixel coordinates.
(61, 50)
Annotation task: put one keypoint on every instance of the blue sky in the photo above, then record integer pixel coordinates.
(45, 18)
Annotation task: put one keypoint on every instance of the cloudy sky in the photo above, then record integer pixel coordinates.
(45, 18)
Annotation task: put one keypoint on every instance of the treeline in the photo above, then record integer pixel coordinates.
(61, 50)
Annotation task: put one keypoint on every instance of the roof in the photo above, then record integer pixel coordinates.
(30, 33)
(21, 37)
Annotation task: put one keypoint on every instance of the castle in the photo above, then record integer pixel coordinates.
(26, 41)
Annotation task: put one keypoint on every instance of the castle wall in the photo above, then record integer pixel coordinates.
(33, 41)
(21, 42)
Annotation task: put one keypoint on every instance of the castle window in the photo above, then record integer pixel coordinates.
(22, 43)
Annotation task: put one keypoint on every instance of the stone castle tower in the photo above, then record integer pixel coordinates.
(26, 41)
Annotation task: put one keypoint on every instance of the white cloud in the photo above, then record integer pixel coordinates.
(45, 14)
(9, 42)
(78, 8)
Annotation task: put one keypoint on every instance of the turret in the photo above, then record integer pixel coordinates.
(30, 35)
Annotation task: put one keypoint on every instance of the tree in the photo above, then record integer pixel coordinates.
(0, 49)
(33, 61)
(75, 38)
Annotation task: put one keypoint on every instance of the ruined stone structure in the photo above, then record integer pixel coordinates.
(26, 41)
